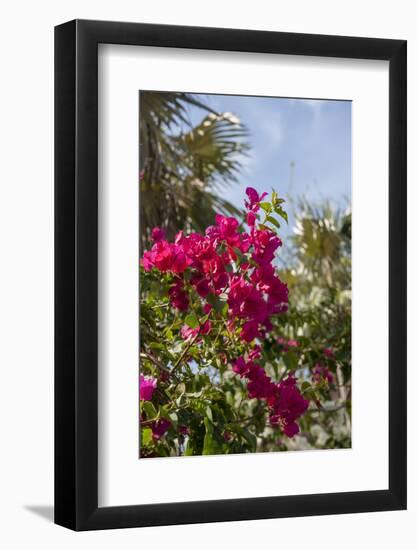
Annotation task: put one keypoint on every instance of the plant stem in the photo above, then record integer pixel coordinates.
(154, 361)
(181, 357)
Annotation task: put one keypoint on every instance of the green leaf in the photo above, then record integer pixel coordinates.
(191, 320)
(266, 206)
(217, 304)
(157, 345)
(187, 275)
(146, 437)
(290, 360)
(281, 212)
(311, 394)
(174, 418)
(209, 413)
(275, 198)
(189, 449)
(211, 446)
(250, 438)
(239, 253)
(204, 319)
(192, 447)
(274, 221)
(149, 409)
(163, 412)
(211, 299)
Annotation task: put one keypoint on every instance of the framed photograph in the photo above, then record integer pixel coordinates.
(230, 255)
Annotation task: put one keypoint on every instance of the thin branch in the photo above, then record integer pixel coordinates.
(334, 409)
(187, 347)
(158, 364)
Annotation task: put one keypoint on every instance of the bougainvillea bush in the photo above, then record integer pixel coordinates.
(228, 363)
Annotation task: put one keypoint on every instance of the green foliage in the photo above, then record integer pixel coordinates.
(319, 316)
(205, 402)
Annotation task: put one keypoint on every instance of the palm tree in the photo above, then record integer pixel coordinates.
(322, 245)
(183, 168)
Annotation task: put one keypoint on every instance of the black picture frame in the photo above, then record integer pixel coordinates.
(76, 272)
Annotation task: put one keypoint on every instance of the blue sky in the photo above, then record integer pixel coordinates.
(300, 147)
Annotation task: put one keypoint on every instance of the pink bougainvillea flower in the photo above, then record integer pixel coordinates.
(147, 385)
(284, 399)
(178, 297)
(245, 300)
(250, 331)
(265, 242)
(180, 260)
(205, 328)
(254, 199)
(147, 260)
(160, 427)
(277, 296)
(260, 385)
(251, 218)
(166, 257)
(293, 343)
(201, 284)
(227, 229)
(287, 406)
(328, 352)
(291, 429)
(160, 256)
(158, 234)
(287, 344)
(255, 353)
(321, 372)
(240, 366)
(255, 300)
(188, 333)
(207, 308)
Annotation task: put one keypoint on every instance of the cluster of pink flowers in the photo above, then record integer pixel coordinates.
(234, 266)
(189, 333)
(253, 289)
(287, 344)
(284, 399)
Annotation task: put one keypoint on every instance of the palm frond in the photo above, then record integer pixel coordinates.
(183, 167)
